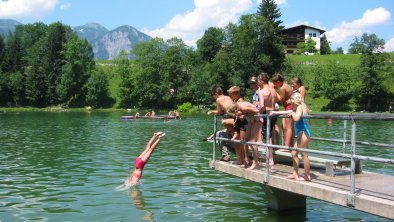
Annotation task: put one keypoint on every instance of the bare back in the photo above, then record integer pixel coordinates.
(284, 93)
(223, 104)
(267, 97)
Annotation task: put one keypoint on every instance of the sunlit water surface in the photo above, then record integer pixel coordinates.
(65, 167)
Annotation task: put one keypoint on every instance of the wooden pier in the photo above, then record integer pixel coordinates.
(374, 192)
(349, 187)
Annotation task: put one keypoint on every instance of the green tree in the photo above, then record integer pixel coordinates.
(36, 80)
(17, 82)
(175, 73)
(31, 35)
(148, 59)
(270, 37)
(75, 73)
(325, 47)
(2, 52)
(5, 89)
(337, 84)
(53, 59)
(372, 94)
(356, 47)
(14, 52)
(127, 93)
(97, 90)
(309, 46)
(200, 83)
(339, 51)
(246, 50)
(210, 43)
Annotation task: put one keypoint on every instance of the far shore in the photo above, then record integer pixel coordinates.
(131, 111)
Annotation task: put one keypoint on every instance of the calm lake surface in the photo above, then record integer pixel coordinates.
(65, 166)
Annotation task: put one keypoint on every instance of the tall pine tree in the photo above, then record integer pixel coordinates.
(270, 37)
(54, 59)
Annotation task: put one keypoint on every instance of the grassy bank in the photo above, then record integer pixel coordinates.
(345, 59)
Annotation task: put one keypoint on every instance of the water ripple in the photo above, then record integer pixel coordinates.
(66, 166)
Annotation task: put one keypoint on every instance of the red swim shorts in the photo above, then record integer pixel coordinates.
(288, 107)
(139, 163)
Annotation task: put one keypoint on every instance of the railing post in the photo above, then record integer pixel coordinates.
(214, 138)
(351, 195)
(344, 135)
(267, 150)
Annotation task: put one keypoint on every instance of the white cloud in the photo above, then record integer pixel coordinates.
(65, 6)
(357, 27)
(389, 46)
(15, 9)
(191, 25)
(281, 2)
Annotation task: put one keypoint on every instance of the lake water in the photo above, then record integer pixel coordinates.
(65, 166)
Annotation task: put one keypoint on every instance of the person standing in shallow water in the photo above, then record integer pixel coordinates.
(143, 158)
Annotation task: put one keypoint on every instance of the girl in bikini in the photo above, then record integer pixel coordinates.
(143, 158)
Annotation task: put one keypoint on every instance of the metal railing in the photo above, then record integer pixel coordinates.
(352, 156)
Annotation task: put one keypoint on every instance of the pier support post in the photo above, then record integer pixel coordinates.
(283, 200)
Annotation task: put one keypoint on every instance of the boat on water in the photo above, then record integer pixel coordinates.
(150, 117)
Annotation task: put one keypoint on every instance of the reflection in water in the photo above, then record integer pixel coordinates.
(135, 193)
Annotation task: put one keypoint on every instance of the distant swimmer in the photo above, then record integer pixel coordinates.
(177, 114)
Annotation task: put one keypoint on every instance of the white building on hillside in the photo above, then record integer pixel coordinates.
(292, 36)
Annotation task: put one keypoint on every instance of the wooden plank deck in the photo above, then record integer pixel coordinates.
(374, 192)
(330, 163)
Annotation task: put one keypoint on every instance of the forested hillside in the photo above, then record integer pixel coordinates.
(45, 65)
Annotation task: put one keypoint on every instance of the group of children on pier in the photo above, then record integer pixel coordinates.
(243, 120)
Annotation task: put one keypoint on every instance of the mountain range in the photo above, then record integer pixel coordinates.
(7, 25)
(106, 44)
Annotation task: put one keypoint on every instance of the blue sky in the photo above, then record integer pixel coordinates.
(188, 19)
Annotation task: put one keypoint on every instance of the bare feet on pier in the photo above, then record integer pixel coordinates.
(253, 166)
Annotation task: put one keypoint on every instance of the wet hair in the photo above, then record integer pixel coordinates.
(217, 90)
(298, 80)
(252, 80)
(278, 78)
(263, 77)
(234, 89)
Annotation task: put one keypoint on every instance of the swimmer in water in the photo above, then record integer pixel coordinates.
(143, 158)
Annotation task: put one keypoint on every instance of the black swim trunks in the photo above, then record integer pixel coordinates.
(240, 124)
(264, 128)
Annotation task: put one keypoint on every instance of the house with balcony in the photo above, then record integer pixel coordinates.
(292, 36)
